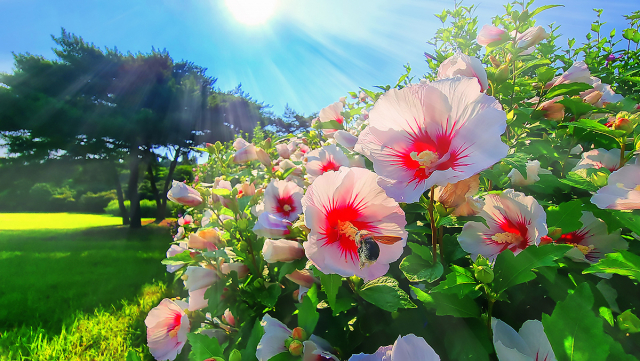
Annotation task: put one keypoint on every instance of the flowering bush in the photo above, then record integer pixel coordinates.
(431, 219)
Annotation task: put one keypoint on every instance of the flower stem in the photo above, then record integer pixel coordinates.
(622, 149)
(434, 231)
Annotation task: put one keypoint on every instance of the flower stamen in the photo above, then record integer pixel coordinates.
(287, 208)
(426, 158)
(507, 237)
(584, 249)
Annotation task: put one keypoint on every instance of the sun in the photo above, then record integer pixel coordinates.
(252, 12)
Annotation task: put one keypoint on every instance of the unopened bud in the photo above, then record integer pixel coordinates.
(235, 356)
(267, 143)
(503, 73)
(296, 348)
(623, 124)
(545, 240)
(555, 233)
(496, 63)
(484, 274)
(299, 334)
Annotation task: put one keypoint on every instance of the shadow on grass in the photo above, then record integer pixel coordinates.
(50, 275)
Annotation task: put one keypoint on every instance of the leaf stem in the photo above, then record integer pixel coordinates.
(434, 232)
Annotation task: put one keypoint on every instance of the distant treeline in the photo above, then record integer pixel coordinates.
(108, 115)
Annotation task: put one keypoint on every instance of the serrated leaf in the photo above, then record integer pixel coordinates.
(629, 322)
(308, 315)
(578, 179)
(448, 304)
(385, 293)
(568, 89)
(204, 347)
(566, 216)
(623, 263)
(459, 282)
(512, 270)
(417, 269)
(574, 331)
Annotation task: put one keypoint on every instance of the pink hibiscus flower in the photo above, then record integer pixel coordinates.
(409, 347)
(591, 242)
(515, 222)
(600, 158)
(464, 65)
(489, 34)
(428, 134)
(623, 190)
(331, 112)
(183, 194)
(282, 199)
(531, 343)
(325, 159)
(342, 209)
(167, 328)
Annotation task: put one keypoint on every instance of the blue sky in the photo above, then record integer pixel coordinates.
(308, 54)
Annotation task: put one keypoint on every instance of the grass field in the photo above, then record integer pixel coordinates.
(77, 286)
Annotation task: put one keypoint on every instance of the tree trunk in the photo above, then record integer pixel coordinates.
(162, 209)
(154, 190)
(134, 197)
(123, 209)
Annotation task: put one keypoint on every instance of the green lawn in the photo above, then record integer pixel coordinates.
(69, 278)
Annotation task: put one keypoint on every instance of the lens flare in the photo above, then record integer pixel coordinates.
(252, 12)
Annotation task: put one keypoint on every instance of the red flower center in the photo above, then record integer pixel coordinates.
(333, 232)
(514, 236)
(329, 166)
(285, 206)
(174, 326)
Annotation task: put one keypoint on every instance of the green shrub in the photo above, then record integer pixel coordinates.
(96, 202)
(148, 208)
(46, 197)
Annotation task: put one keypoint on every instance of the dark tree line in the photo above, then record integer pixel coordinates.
(120, 110)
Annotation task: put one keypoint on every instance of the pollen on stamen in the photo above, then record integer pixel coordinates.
(584, 249)
(507, 237)
(286, 208)
(426, 158)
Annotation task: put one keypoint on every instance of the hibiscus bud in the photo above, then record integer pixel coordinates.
(183, 194)
(591, 96)
(210, 148)
(555, 233)
(495, 62)
(484, 274)
(489, 34)
(196, 241)
(502, 74)
(235, 356)
(210, 235)
(453, 195)
(545, 240)
(296, 347)
(303, 278)
(622, 122)
(299, 334)
(263, 157)
(281, 250)
(283, 151)
(228, 318)
(267, 143)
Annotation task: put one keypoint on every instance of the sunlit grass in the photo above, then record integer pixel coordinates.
(24, 221)
(78, 294)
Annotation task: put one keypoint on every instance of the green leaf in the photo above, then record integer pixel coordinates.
(629, 322)
(576, 107)
(631, 34)
(512, 270)
(471, 333)
(531, 64)
(284, 356)
(566, 216)
(574, 331)
(606, 314)
(235, 355)
(133, 356)
(204, 347)
(331, 124)
(581, 179)
(417, 269)
(213, 294)
(448, 304)
(331, 285)
(180, 258)
(594, 126)
(459, 282)
(543, 8)
(249, 353)
(385, 293)
(271, 294)
(630, 220)
(308, 315)
(517, 161)
(421, 250)
(623, 263)
(221, 191)
(567, 89)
